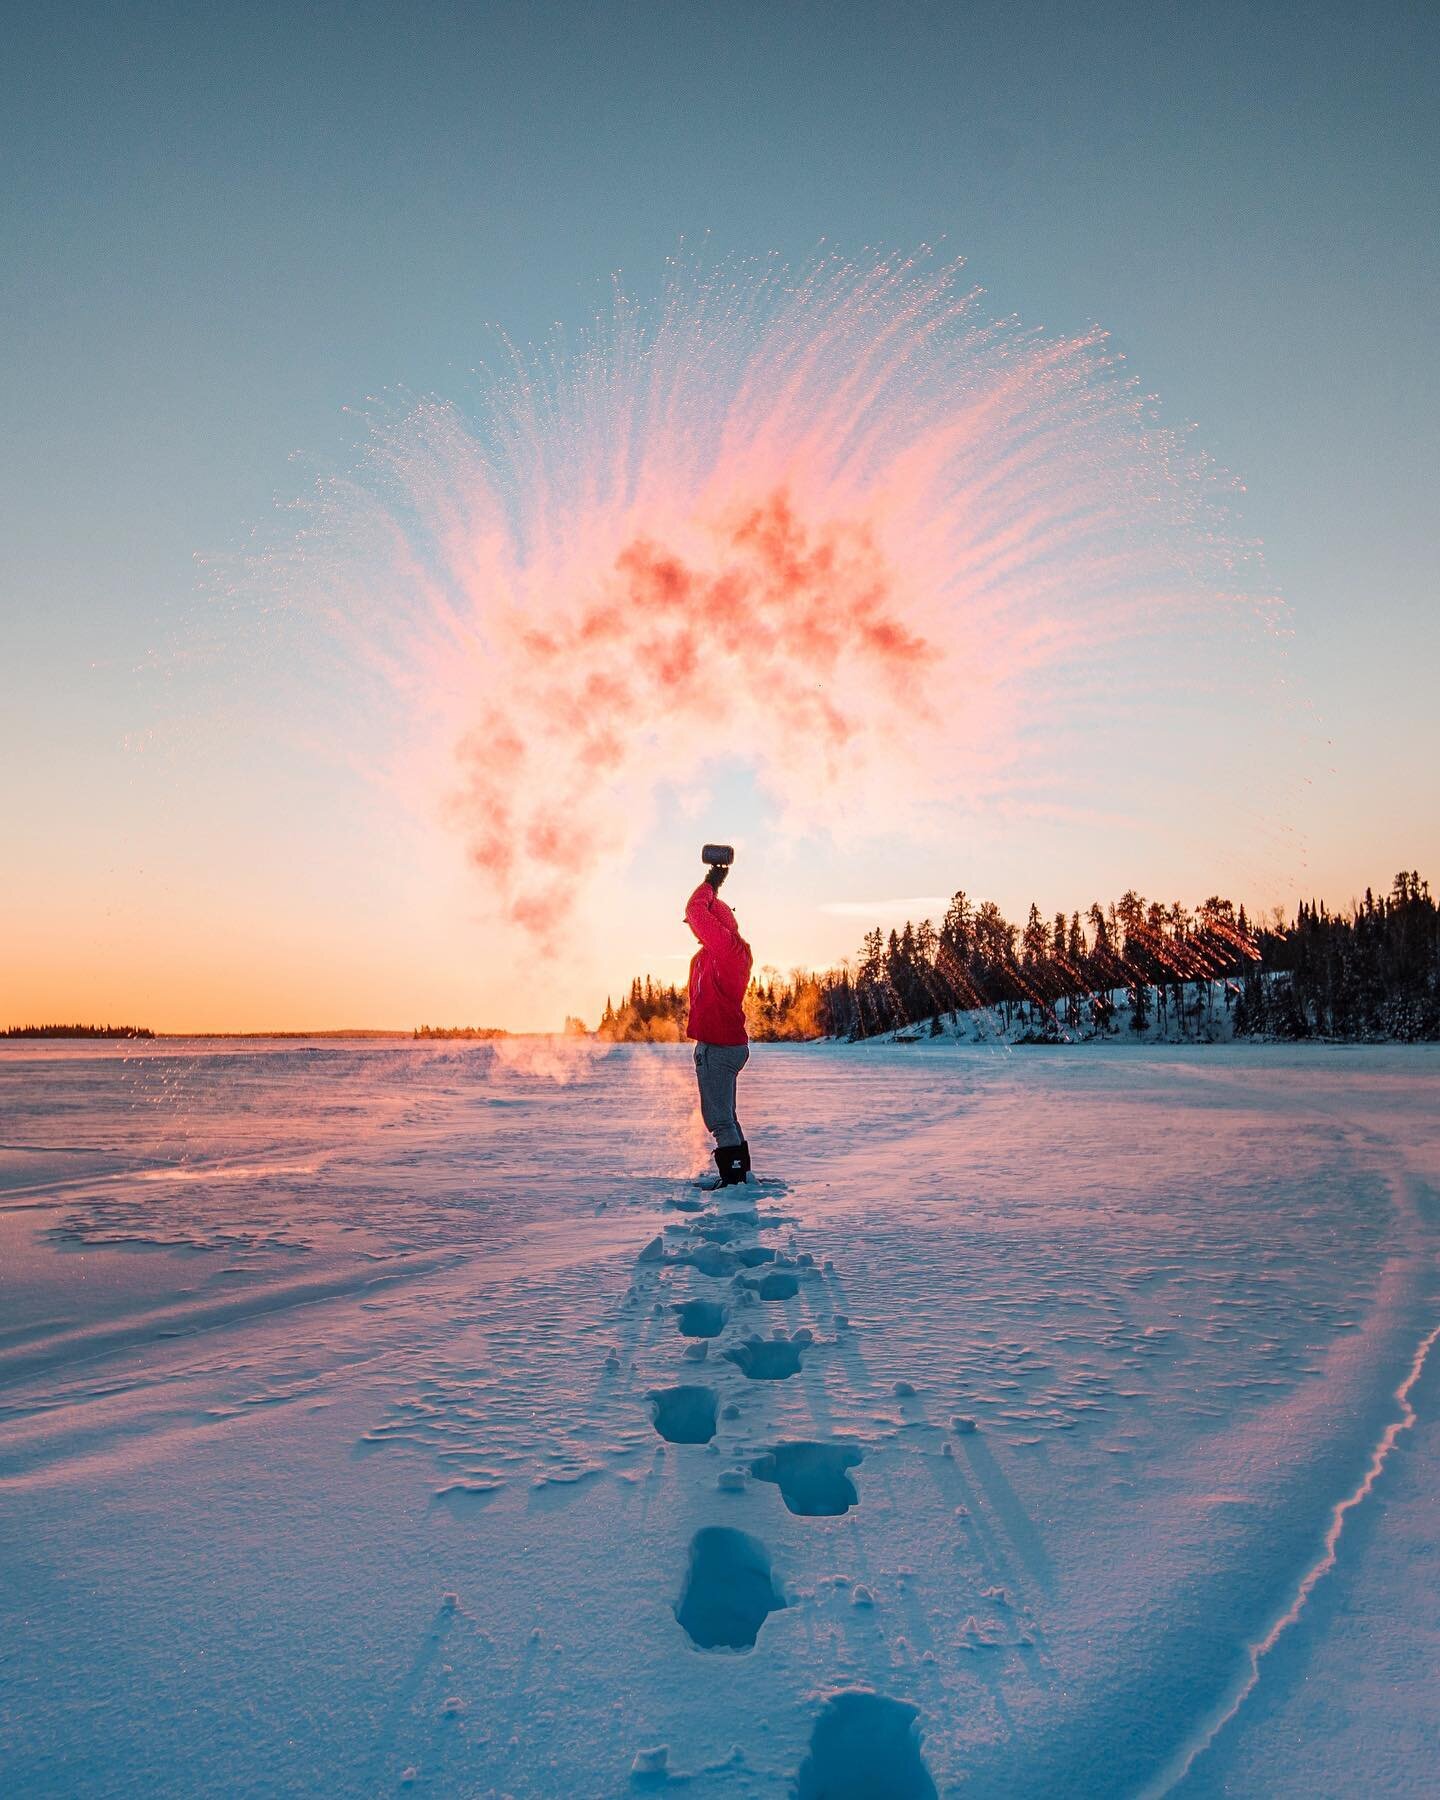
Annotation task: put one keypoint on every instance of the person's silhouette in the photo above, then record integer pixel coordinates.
(719, 975)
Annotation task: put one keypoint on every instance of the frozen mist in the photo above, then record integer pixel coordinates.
(901, 559)
(1050, 1422)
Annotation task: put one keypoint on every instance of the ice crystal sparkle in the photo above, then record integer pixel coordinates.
(842, 527)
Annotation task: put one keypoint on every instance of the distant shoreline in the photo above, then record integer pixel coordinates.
(28, 1035)
(376, 1035)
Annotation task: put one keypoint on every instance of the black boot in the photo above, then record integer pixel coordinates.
(744, 1150)
(729, 1160)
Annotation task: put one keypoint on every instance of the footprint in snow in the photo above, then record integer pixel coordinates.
(777, 1284)
(700, 1318)
(729, 1591)
(812, 1478)
(865, 1747)
(710, 1259)
(686, 1414)
(769, 1359)
(729, 1225)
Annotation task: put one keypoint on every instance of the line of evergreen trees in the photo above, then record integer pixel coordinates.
(77, 1031)
(1373, 972)
(777, 1011)
(459, 1031)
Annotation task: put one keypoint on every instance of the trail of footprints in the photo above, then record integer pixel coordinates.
(863, 1743)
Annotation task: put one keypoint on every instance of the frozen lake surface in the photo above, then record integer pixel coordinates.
(1051, 1422)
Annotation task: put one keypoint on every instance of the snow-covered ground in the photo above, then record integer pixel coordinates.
(1077, 1438)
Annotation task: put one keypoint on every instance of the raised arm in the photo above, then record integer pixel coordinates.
(713, 933)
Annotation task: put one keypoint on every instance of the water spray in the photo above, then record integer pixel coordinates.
(908, 563)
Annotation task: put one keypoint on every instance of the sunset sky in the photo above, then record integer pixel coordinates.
(226, 232)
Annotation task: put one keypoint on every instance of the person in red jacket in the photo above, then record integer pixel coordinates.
(719, 975)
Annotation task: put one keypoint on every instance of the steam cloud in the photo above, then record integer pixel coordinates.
(844, 528)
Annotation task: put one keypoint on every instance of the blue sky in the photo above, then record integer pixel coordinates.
(222, 227)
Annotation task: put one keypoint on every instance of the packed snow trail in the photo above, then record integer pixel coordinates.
(355, 1437)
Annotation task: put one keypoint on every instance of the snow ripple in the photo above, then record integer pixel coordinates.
(1180, 1766)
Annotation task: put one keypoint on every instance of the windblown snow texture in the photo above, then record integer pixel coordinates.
(1066, 1424)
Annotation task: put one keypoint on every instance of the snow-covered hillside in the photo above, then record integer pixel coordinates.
(1205, 1015)
(399, 1419)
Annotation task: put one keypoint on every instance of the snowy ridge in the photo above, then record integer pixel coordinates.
(1208, 1019)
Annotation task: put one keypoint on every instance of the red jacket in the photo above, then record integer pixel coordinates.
(719, 970)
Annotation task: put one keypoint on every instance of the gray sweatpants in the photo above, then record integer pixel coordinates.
(716, 1066)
